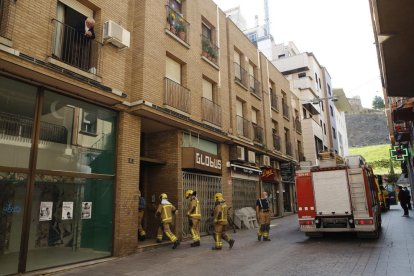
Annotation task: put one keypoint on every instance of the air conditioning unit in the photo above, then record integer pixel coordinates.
(275, 165)
(264, 161)
(116, 34)
(237, 153)
(251, 157)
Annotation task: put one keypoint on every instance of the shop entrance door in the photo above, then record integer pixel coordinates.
(270, 188)
(206, 186)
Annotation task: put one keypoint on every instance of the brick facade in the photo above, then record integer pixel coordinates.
(139, 73)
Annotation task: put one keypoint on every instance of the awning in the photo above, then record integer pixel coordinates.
(245, 169)
(403, 110)
(312, 110)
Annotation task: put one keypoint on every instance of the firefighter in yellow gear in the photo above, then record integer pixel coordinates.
(194, 216)
(220, 223)
(263, 215)
(141, 208)
(164, 212)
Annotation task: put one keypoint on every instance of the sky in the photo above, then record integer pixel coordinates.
(338, 32)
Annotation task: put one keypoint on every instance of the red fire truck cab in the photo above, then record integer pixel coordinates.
(338, 197)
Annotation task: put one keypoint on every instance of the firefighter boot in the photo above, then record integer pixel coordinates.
(176, 244)
(195, 244)
(231, 243)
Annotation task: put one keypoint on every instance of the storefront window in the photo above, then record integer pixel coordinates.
(71, 221)
(17, 109)
(76, 136)
(12, 194)
(196, 142)
(244, 193)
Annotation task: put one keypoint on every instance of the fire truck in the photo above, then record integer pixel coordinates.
(338, 196)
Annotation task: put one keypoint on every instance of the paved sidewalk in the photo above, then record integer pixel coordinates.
(289, 253)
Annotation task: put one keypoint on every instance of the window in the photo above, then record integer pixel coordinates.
(176, 5)
(206, 32)
(324, 128)
(208, 90)
(332, 113)
(252, 36)
(239, 108)
(334, 132)
(89, 122)
(254, 116)
(322, 106)
(320, 83)
(275, 127)
(302, 75)
(320, 123)
(329, 89)
(316, 78)
(304, 113)
(281, 56)
(173, 70)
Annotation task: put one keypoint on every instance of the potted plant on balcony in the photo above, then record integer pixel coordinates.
(213, 54)
(171, 21)
(181, 29)
(205, 44)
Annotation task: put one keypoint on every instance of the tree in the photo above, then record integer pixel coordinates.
(378, 103)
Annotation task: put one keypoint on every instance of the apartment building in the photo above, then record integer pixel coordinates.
(165, 97)
(393, 33)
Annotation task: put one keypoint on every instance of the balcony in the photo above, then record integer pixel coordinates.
(255, 86)
(7, 15)
(285, 108)
(75, 49)
(177, 96)
(209, 50)
(243, 127)
(177, 25)
(274, 101)
(257, 133)
(298, 126)
(240, 74)
(211, 112)
(289, 149)
(17, 128)
(276, 142)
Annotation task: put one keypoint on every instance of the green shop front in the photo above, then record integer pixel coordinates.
(57, 167)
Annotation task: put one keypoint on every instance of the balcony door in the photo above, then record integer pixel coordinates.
(70, 16)
(173, 70)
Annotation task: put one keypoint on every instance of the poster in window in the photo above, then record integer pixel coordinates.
(46, 208)
(86, 210)
(67, 210)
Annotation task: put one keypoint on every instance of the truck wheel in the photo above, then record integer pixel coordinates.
(314, 235)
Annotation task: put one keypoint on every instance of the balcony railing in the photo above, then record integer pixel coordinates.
(298, 125)
(285, 110)
(276, 142)
(17, 126)
(7, 15)
(72, 47)
(243, 127)
(177, 96)
(255, 86)
(257, 133)
(211, 112)
(240, 74)
(288, 148)
(274, 101)
(177, 25)
(209, 50)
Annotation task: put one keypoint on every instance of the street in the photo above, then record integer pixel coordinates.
(289, 253)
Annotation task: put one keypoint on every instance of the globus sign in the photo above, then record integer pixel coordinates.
(193, 158)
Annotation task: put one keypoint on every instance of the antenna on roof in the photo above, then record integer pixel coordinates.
(267, 19)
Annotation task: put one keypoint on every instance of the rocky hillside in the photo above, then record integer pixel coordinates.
(366, 129)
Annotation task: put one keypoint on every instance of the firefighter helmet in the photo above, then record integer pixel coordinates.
(189, 193)
(218, 196)
(163, 196)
